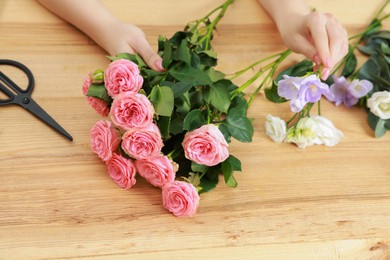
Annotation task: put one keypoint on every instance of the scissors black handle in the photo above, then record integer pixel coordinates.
(22, 97)
(12, 84)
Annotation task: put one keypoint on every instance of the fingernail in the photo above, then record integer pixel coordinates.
(325, 74)
(317, 59)
(328, 63)
(158, 64)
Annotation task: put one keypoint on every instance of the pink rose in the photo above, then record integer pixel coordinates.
(157, 170)
(100, 106)
(122, 171)
(205, 145)
(104, 139)
(141, 143)
(121, 76)
(180, 198)
(129, 110)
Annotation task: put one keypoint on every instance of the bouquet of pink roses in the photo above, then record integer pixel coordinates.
(172, 127)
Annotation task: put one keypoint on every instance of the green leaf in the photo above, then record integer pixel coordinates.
(176, 125)
(140, 61)
(131, 57)
(161, 39)
(377, 124)
(194, 120)
(177, 38)
(380, 129)
(297, 70)
(181, 87)
(387, 59)
(239, 126)
(208, 184)
(272, 94)
(375, 26)
(369, 49)
(163, 124)
(240, 102)
(194, 178)
(385, 49)
(162, 98)
(207, 60)
(126, 56)
(206, 94)
(369, 69)
(234, 162)
(187, 73)
(227, 171)
(182, 104)
(183, 52)
(215, 75)
(199, 167)
(167, 55)
(196, 99)
(350, 65)
(195, 60)
(383, 67)
(384, 34)
(225, 132)
(220, 97)
(209, 53)
(99, 91)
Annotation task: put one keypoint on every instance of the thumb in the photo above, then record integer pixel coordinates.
(152, 59)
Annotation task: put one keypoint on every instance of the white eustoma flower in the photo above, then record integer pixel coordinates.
(379, 104)
(327, 133)
(275, 128)
(314, 130)
(304, 133)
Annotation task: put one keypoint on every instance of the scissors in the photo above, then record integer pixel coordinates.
(22, 97)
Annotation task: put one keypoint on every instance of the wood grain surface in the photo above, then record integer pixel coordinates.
(57, 201)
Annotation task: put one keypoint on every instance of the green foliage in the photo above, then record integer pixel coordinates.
(378, 125)
(99, 91)
(238, 125)
(376, 45)
(350, 64)
(162, 98)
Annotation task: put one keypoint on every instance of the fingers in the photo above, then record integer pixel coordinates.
(127, 37)
(316, 24)
(330, 39)
(304, 46)
(152, 59)
(338, 40)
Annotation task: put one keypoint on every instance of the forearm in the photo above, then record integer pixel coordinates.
(90, 16)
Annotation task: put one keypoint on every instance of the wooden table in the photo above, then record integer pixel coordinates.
(57, 201)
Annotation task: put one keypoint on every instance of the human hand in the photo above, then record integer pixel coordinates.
(318, 36)
(126, 37)
(105, 29)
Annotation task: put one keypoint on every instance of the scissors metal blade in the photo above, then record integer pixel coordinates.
(35, 109)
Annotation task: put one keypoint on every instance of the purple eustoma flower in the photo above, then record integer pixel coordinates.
(360, 88)
(312, 88)
(347, 92)
(302, 90)
(288, 87)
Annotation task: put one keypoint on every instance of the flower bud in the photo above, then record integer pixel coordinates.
(97, 77)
